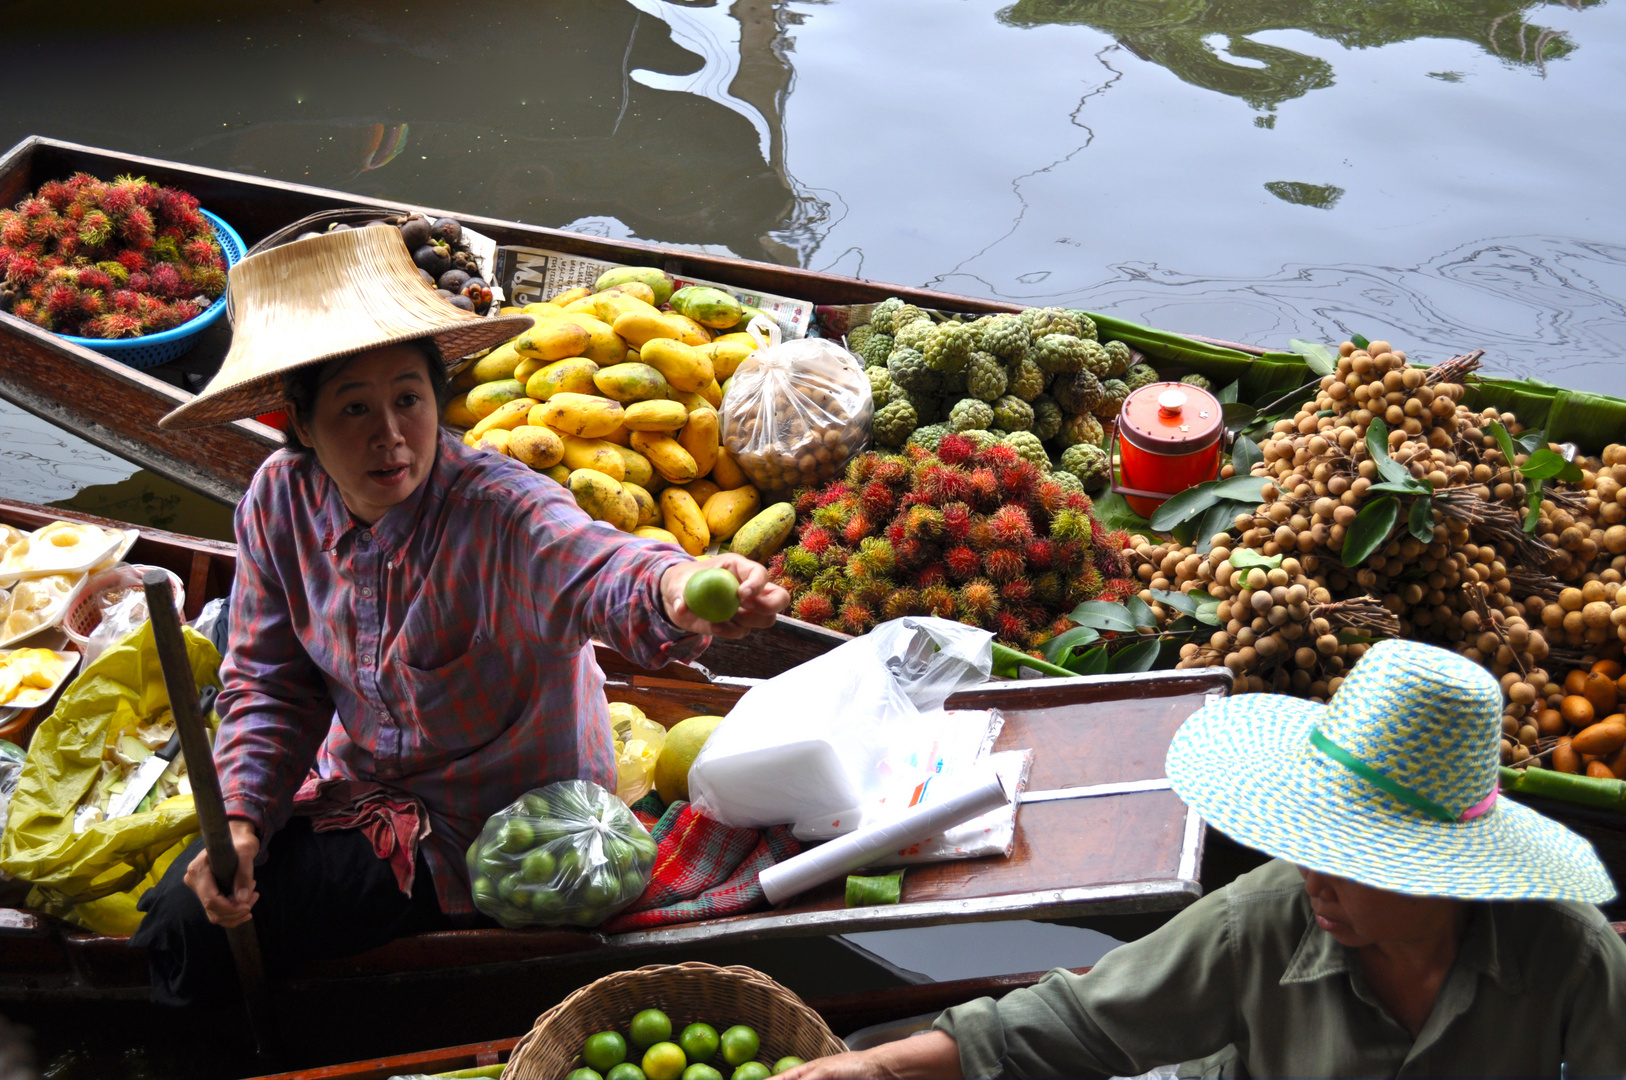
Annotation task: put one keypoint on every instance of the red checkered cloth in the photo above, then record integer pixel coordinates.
(703, 869)
(394, 821)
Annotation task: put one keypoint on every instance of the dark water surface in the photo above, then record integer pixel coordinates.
(1445, 174)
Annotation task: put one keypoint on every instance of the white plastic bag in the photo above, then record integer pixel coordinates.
(836, 733)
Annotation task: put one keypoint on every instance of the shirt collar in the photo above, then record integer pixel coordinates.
(335, 522)
(1319, 954)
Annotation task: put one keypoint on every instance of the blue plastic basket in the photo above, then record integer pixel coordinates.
(166, 345)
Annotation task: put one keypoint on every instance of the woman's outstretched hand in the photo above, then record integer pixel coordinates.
(760, 599)
(930, 1054)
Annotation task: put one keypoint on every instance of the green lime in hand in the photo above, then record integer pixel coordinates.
(739, 1044)
(604, 1050)
(751, 1070)
(786, 1064)
(713, 594)
(701, 1071)
(699, 1041)
(650, 1027)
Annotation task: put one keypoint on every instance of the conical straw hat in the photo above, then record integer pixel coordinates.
(314, 300)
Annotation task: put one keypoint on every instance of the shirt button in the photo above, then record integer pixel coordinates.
(366, 591)
(366, 661)
(365, 538)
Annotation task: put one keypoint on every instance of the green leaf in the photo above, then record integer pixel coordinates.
(1319, 358)
(1249, 489)
(1180, 602)
(1377, 444)
(1409, 486)
(1208, 614)
(1219, 518)
(1093, 662)
(1059, 648)
(1103, 615)
(1184, 506)
(1245, 454)
(1532, 441)
(1370, 529)
(1421, 522)
(1546, 463)
(1358, 341)
(1227, 392)
(1532, 520)
(1137, 657)
(1503, 440)
(1349, 637)
(1139, 613)
(1248, 558)
(1238, 414)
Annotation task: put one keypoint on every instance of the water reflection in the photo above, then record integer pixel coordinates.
(1209, 43)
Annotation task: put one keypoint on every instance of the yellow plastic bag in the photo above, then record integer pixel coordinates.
(638, 743)
(120, 689)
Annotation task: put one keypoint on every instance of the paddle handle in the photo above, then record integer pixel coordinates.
(211, 807)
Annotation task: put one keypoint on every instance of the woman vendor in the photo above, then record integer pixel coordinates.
(1413, 924)
(410, 618)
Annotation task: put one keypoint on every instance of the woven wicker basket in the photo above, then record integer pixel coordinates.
(720, 996)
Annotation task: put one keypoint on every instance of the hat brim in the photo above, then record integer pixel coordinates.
(1246, 765)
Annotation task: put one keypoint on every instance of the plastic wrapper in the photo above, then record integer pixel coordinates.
(795, 411)
(829, 736)
(638, 744)
(569, 854)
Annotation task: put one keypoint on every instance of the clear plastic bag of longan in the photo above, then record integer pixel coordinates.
(795, 411)
(569, 854)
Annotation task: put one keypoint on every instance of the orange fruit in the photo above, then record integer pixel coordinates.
(1577, 710)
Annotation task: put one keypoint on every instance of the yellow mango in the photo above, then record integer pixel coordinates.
(683, 519)
(570, 296)
(580, 305)
(691, 332)
(486, 398)
(457, 412)
(637, 327)
(553, 339)
(689, 398)
(648, 512)
(630, 382)
(638, 290)
(685, 367)
(528, 367)
(762, 536)
(538, 447)
(604, 347)
(727, 471)
(497, 364)
(634, 358)
(650, 532)
(727, 355)
(699, 438)
(618, 435)
(547, 309)
(713, 394)
(660, 283)
(602, 498)
(586, 415)
(742, 337)
(470, 438)
(510, 310)
(595, 454)
(700, 490)
(728, 511)
(675, 464)
(495, 440)
(708, 306)
(559, 474)
(510, 415)
(573, 376)
(659, 415)
(639, 470)
(611, 304)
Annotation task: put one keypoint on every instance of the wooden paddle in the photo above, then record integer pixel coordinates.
(200, 765)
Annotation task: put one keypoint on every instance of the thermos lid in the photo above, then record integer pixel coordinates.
(1171, 418)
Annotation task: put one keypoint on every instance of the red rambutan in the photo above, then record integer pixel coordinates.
(981, 536)
(118, 200)
(813, 608)
(909, 553)
(137, 228)
(877, 500)
(1038, 554)
(892, 472)
(115, 324)
(1011, 526)
(857, 528)
(1077, 500)
(132, 261)
(57, 193)
(174, 201)
(1018, 480)
(894, 532)
(139, 282)
(999, 456)
(855, 618)
(90, 305)
(13, 230)
(1048, 497)
(1069, 556)
(1010, 627)
(24, 268)
(957, 522)
(984, 489)
(35, 208)
(816, 540)
(96, 229)
(1003, 564)
(901, 602)
(1118, 589)
(31, 311)
(95, 278)
(860, 469)
(977, 602)
(1060, 626)
(833, 493)
(961, 563)
(924, 523)
(199, 252)
(929, 575)
(937, 600)
(804, 501)
(1016, 593)
(61, 300)
(166, 281)
(955, 450)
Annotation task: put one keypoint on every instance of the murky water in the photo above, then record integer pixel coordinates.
(1441, 173)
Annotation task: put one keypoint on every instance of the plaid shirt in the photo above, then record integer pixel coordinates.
(442, 651)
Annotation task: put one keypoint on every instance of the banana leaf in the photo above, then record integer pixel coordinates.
(1591, 421)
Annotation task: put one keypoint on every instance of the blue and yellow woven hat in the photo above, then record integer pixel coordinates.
(1392, 784)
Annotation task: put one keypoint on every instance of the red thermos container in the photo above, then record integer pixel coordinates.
(1169, 440)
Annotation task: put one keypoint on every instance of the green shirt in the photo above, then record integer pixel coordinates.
(1535, 983)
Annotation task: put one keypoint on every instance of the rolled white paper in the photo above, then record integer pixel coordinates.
(846, 854)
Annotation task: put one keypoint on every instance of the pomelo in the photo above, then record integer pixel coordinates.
(683, 745)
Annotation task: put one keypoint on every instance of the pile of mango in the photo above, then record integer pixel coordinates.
(615, 393)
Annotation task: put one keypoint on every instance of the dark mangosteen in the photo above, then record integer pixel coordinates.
(415, 231)
(478, 291)
(446, 229)
(428, 278)
(454, 279)
(462, 302)
(433, 258)
(443, 294)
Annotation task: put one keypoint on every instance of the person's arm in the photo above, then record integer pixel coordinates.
(592, 581)
(928, 1055)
